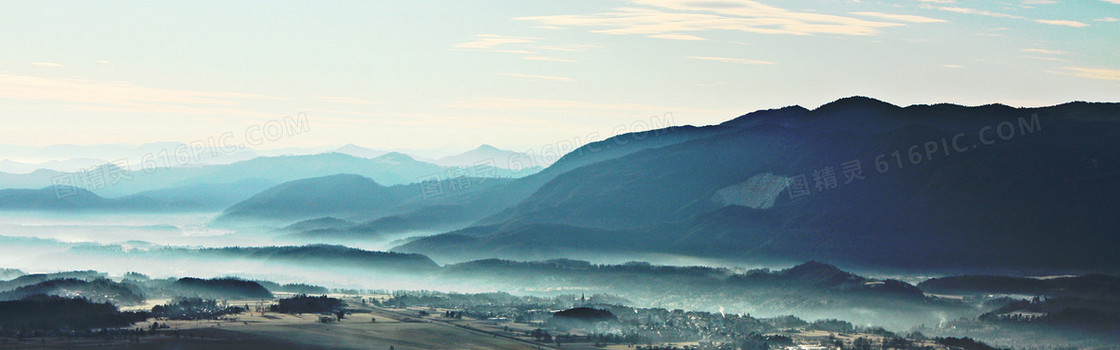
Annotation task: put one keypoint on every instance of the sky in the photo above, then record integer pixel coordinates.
(455, 74)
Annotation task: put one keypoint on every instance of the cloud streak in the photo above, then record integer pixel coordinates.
(538, 77)
(1062, 22)
(969, 11)
(549, 59)
(730, 60)
(678, 19)
(898, 17)
(492, 41)
(1093, 73)
(619, 110)
(1046, 51)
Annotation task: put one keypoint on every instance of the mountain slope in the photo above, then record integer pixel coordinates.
(486, 154)
(1021, 188)
(457, 202)
(71, 199)
(341, 195)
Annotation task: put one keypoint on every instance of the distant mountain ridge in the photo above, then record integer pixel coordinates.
(357, 199)
(212, 187)
(1022, 188)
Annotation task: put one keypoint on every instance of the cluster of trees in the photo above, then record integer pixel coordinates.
(195, 309)
(298, 288)
(453, 314)
(308, 304)
(965, 343)
(221, 288)
(756, 341)
(42, 315)
(600, 339)
(541, 335)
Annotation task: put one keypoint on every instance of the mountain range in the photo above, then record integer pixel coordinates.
(215, 187)
(857, 181)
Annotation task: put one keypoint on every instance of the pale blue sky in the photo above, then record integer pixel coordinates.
(425, 74)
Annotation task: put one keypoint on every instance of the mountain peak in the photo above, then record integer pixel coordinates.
(855, 102)
(396, 156)
(486, 147)
(768, 115)
(814, 267)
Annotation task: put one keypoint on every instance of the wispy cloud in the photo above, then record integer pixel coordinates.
(730, 60)
(951, 66)
(672, 18)
(1062, 22)
(492, 41)
(521, 45)
(1092, 73)
(538, 77)
(1045, 51)
(1047, 58)
(47, 64)
(1112, 1)
(567, 47)
(1107, 19)
(970, 11)
(898, 17)
(583, 107)
(677, 36)
(340, 99)
(549, 59)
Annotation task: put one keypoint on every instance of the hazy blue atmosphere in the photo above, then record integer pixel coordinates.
(645, 174)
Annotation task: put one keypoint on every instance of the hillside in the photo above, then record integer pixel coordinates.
(746, 190)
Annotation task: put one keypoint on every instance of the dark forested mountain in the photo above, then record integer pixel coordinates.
(1086, 286)
(856, 181)
(99, 290)
(27, 280)
(219, 288)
